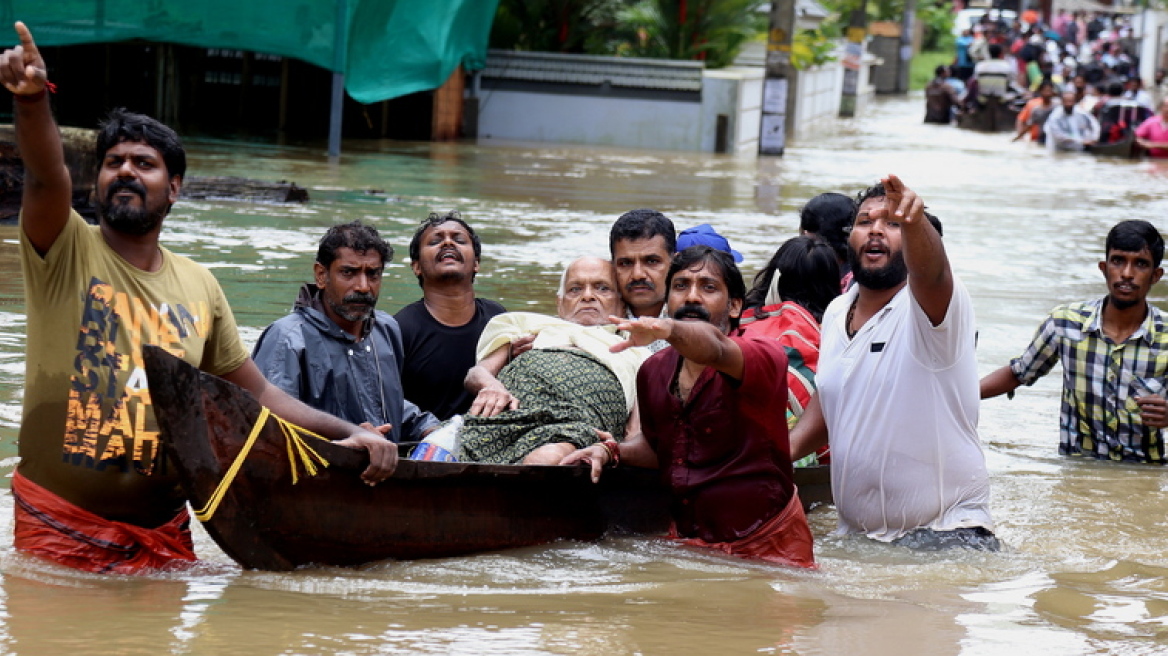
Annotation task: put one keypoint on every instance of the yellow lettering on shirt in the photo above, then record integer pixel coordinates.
(110, 418)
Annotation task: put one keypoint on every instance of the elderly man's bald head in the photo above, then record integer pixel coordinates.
(588, 292)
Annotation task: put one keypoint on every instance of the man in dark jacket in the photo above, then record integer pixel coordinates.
(336, 351)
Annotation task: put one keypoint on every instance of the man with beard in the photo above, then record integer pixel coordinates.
(708, 418)
(1069, 127)
(439, 332)
(1114, 352)
(641, 243)
(336, 351)
(94, 489)
(898, 386)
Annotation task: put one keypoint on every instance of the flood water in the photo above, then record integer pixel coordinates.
(1084, 571)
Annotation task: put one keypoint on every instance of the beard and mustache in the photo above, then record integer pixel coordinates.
(690, 311)
(355, 307)
(888, 276)
(125, 218)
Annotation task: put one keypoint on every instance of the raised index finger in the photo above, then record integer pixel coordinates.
(26, 39)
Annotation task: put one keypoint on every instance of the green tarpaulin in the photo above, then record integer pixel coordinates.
(387, 48)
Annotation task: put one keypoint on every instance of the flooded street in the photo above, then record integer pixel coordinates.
(1085, 569)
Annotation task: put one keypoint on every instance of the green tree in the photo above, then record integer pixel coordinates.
(553, 25)
(711, 30)
(937, 17)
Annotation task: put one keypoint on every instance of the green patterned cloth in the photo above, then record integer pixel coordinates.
(564, 395)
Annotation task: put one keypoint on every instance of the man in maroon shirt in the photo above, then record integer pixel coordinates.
(711, 410)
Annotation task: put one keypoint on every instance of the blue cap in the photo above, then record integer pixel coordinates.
(705, 235)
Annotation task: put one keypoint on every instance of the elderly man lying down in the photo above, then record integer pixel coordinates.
(551, 400)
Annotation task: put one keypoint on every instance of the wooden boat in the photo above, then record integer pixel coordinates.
(1118, 122)
(274, 516)
(995, 116)
(1125, 147)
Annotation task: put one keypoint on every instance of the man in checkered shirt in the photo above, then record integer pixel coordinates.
(1114, 352)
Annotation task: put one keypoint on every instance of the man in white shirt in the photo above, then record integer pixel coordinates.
(898, 387)
(1069, 127)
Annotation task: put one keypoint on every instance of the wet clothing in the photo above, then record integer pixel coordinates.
(1070, 131)
(940, 101)
(437, 357)
(1034, 115)
(724, 452)
(900, 400)
(1155, 130)
(311, 358)
(88, 432)
(564, 396)
(52, 528)
(1098, 415)
(784, 539)
(974, 538)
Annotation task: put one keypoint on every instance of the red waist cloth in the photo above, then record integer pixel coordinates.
(784, 539)
(51, 527)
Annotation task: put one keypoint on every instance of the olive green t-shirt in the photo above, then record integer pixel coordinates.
(88, 431)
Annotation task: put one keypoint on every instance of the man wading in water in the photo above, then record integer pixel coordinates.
(898, 386)
(1114, 352)
(93, 489)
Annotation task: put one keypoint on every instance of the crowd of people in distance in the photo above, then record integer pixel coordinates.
(1074, 82)
(854, 347)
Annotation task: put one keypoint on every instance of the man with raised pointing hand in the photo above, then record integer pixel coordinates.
(898, 388)
(94, 489)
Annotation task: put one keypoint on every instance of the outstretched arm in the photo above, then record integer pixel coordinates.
(382, 452)
(697, 341)
(1001, 381)
(929, 276)
(1147, 143)
(48, 191)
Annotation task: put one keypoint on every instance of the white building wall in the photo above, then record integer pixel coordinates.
(1152, 26)
(590, 119)
(817, 99)
(736, 93)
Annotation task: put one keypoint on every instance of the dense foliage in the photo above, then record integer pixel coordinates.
(710, 30)
(937, 16)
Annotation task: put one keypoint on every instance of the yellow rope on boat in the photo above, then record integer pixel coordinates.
(298, 450)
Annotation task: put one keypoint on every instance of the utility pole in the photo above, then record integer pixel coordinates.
(906, 39)
(337, 96)
(776, 100)
(853, 58)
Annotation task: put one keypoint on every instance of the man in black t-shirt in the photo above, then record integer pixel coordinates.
(440, 331)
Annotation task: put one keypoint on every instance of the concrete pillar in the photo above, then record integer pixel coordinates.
(777, 101)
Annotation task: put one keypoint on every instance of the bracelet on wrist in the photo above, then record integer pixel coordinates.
(613, 448)
(35, 97)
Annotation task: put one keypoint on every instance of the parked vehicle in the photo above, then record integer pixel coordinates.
(966, 18)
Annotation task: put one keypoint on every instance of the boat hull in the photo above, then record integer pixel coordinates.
(994, 117)
(1125, 148)
(425, 510)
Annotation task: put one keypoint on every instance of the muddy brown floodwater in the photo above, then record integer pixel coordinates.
(1084, 571)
